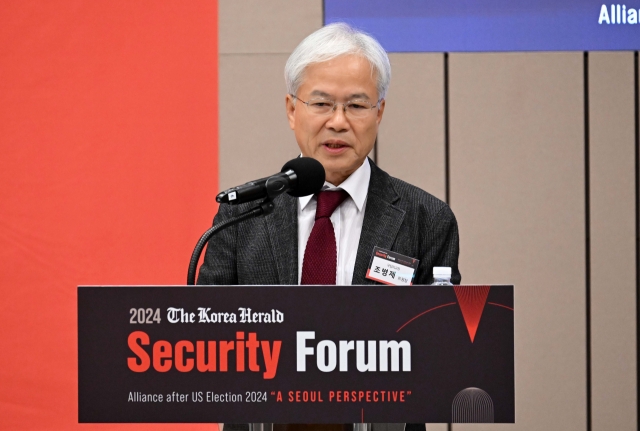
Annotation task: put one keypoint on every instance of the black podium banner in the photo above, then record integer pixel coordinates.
(293, 354)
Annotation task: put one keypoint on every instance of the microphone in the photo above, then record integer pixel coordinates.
(299, 177)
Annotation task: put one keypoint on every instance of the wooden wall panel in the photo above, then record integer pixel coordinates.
(255, 138)
(256, 39)
(411, 136)
(517, 189)
(613, 261)
(273, 26)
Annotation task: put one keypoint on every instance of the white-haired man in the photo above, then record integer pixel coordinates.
(336, 79)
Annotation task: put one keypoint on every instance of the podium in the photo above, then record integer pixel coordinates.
(294, 354)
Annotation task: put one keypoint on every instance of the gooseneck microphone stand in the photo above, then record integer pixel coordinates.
(274, 187)
(264, 208)
(301, 176)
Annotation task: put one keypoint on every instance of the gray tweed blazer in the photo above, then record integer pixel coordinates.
(398, 217)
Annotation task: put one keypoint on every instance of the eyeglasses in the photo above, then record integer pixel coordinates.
(353, 108)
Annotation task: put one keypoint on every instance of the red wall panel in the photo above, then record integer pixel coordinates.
(108, 173)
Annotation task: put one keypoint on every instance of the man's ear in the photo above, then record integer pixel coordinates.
(380, 111)
(291, 111)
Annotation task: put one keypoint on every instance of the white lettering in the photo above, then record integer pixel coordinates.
(172, 314)
(245, 315)
(345, 347)
(202, 314)
(370, 365)
(394, 348)
(326, 363)
(367, 352)
(618, 14)
(302, 350)
(604, 15)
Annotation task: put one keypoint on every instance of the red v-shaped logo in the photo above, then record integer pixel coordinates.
(472, 300)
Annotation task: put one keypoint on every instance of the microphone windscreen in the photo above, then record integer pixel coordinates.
(310, 173)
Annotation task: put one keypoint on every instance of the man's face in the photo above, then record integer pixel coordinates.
(338, 141)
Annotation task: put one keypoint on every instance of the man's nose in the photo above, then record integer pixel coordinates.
(338, 119)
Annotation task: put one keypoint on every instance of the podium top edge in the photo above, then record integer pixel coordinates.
(285, 285)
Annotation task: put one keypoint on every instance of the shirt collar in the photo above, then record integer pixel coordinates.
(357, 185)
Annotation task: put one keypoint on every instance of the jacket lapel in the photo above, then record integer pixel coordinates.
(282, 226)
(382, 221)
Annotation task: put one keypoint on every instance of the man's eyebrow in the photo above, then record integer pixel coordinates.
(359, 96)
(320, 93)
(351, 97)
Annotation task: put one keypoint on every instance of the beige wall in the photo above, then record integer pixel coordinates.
(256, 38)
(534, 207)
(411, 139)
(613, 265)
(517, 188)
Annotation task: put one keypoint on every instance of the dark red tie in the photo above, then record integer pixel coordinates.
(321, 255)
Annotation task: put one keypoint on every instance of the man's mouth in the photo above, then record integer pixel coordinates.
(335, 145)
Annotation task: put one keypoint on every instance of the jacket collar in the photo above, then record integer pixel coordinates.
(382, 221)
(282, 225)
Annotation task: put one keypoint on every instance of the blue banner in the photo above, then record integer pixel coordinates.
(492, 25)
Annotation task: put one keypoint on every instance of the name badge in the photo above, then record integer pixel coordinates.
(392, 268)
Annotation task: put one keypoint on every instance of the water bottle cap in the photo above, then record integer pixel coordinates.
(442, 271)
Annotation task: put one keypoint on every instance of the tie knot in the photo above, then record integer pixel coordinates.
(328, 201)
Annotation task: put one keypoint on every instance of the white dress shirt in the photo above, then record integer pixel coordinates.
(346, 219)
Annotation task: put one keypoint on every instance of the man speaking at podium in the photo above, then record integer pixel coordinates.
(336, 80)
